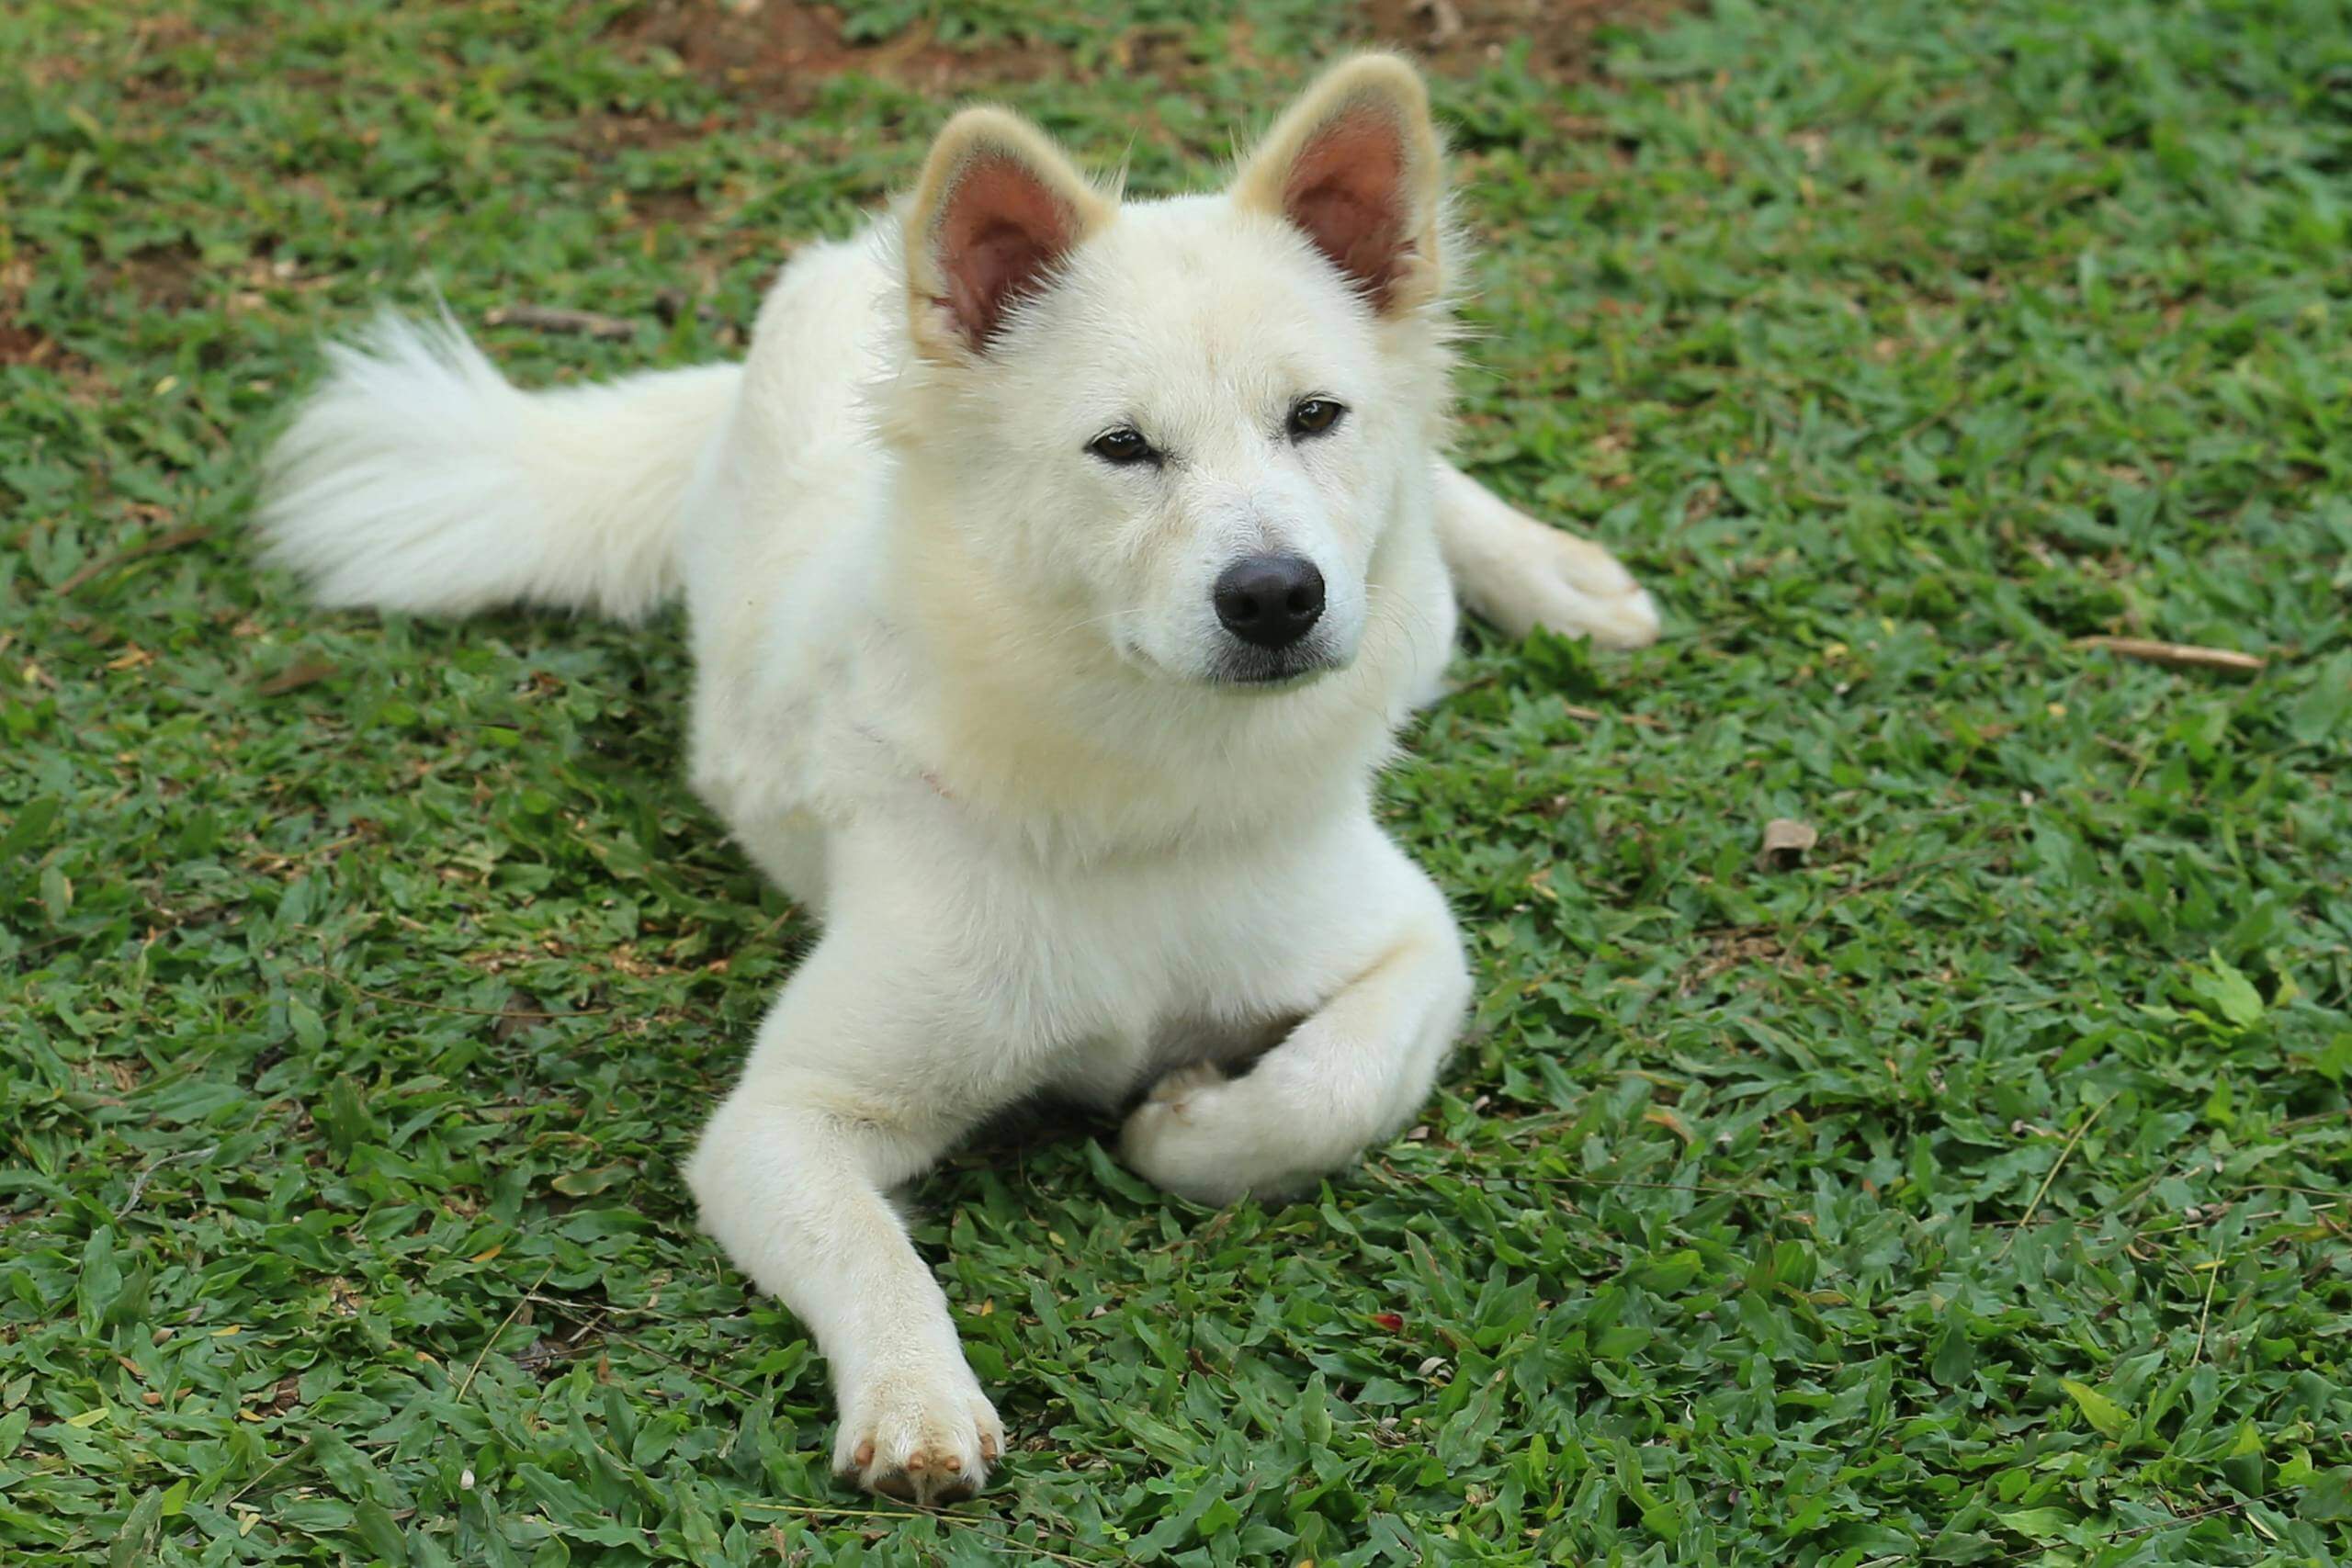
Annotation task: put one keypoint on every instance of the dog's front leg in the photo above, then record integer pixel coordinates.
(1352, 1072)
(849, 1092)
(1520, 573)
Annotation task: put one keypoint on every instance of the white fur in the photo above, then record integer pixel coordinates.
(416, 478)
(955, 693)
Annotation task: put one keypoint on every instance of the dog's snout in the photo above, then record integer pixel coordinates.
(1270, 601)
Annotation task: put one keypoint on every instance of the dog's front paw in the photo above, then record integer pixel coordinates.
(1195, 1135)
(1575, 588)
(917, 1430)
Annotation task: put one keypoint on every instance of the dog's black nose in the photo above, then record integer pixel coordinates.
(1271, 601)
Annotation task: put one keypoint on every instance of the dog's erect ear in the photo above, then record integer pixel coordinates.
(996, 210)
(1355, 165)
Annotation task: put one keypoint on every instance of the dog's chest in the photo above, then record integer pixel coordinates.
(1122, 973)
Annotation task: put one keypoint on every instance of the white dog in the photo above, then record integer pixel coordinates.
(1059, 569)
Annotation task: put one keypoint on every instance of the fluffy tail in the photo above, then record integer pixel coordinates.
(417, 479)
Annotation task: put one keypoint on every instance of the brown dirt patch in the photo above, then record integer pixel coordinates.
(780, 52)
(169, 276)
(1748, 948)
(639, 132)
(1456, 36)
(777, 54)
(654, 207)
(23, 345)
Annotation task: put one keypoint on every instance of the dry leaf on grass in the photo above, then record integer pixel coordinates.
(1786, 839)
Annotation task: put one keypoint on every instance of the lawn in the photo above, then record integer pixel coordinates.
(1967, 1185)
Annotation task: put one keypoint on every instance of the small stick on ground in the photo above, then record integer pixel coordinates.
(2212, 1273)
(2176, 655)
(517, 1310)
(555, 318)
(171, 540)
(1594, 715)
(811, 1510)
(447, 1006)
(2055, 1166)
(147, 1173)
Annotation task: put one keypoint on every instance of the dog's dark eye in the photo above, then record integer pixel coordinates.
(1313, 416)
(1122, 447)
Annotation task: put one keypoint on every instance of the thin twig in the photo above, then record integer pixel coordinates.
(1594, 715)
(688, 1367)
(2142, 1233)
(915, 1511)
(598, 1317)
(2290, 1187)
(607, 1310)
(517, 1310)
(447, 1007)
(555, 318)
(1718, 1188)
(2055, 1166)
(171, 540)
(2179, 1521)
(2176, 655)
(297, 1451)
(1795, 944)
(1714, 1188)
(1574, 710)
(305, 672)
(147, 1173)
(2212, 1274)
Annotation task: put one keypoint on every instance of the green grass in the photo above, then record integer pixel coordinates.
(1971, 1188)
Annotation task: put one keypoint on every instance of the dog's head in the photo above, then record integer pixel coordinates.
(1178, 433)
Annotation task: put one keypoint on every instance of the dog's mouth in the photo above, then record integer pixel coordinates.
(1240, 666)
(1273, 668)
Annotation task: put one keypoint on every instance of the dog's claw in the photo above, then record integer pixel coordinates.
(921, 1431)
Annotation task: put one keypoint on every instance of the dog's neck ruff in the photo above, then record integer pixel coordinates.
(1117, 764)
(1068, 796)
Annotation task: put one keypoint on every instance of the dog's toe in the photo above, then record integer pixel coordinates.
(1629, 620)
(1575, 588)
(1194, 1135)
(920, 1434)
(1177, 1087)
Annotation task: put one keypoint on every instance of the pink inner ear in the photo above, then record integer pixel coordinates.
(1347, 191)
(1002, 232)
